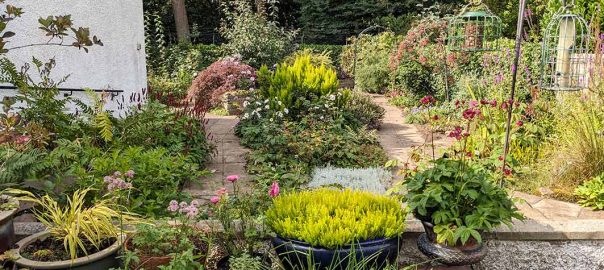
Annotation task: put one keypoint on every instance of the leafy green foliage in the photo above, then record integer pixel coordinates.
(362, 110)
(333, 51)
(159, 240)
(332, 218)
(591, 193)
(160, 175)
(372, 65)
(155, 125)
(246, 262)
(252, 36)
(461, 198)
(15, 166)
(183, 261)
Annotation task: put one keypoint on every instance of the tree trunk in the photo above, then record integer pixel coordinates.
(182, 22)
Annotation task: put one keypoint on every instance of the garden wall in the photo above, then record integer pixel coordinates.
(118, 65)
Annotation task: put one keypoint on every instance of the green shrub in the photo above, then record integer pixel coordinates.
(333, 51)
(155, 125)
(289, 87)
(159, 240)
(160, 176)
(414, 78)
(362, 110)
(372, 65)
(332, 218)
(591, 193)
(251, 35)
(317, 58)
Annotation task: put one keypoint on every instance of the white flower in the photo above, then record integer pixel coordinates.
(332, 97)
(258, 103)
(327, 106)
(246, 115)
(279, 102)
(245, 103)
(279, 114)
(266, 106)
(271, 119)
(265, 101)
(286, 111)
(321, 117)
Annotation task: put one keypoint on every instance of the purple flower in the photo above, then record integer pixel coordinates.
(117, 174)
(192, 211)
(129, 174)
(108, 179)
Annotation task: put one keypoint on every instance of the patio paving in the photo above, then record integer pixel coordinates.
(229, 159)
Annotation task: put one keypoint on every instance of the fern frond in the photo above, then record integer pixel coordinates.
(103, 122)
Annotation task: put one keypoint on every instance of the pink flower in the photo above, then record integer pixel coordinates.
(232, 178)
(192, 211)
(274, 191)
(473, 104)
(117, 174)
(221, 191)
(195, 203)
(173, 207)
(129, 174)
(23, 139)
(215, 199)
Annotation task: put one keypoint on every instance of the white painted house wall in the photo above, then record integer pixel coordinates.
(118, 65)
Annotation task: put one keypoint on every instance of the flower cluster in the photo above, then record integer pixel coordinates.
(274, 190)
(117, 181)
(428, 100)
(189, 210)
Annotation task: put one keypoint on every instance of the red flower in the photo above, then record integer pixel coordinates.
(427, 100)
(435, 118)
(507, 172)
(469, 114)
(519, 123)
(456, 133)
(500, 158)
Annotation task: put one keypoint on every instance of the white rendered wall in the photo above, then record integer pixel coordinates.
(118, 65)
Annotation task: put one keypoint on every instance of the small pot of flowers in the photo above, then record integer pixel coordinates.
(8, 208)
(158, 245)
(328, 228)
(78, 236)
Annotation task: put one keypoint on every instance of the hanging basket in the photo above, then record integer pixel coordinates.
(475, 29)
(565, 57)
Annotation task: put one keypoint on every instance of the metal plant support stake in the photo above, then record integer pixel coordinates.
(475, 29)
(565, 56)
(519, 28)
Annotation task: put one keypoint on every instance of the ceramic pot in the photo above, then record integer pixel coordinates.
(103, 259)
(7, 228)
(470, 253)
(374, 253)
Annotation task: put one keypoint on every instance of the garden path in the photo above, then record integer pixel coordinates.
(398, 138)
(229, 158)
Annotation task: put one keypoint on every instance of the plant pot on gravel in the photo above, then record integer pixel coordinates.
(336, 229)
(456, 200)
(78, 236)
(8, 208)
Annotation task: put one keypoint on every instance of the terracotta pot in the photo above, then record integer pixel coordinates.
(7, 229)
(470, 253)
(103, 259)
(148, 262)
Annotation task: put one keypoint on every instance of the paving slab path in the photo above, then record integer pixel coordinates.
(229, 159)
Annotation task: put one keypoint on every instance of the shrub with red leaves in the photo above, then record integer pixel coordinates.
(228, 74)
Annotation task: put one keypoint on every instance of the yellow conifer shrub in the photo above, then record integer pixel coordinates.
(332, 218)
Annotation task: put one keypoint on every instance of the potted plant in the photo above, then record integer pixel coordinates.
(153, 246)
(456, 201)
(8, 208)
(331, 228)
(77, 236)
(458, 197)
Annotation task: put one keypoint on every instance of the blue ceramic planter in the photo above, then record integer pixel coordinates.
(374, 254)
